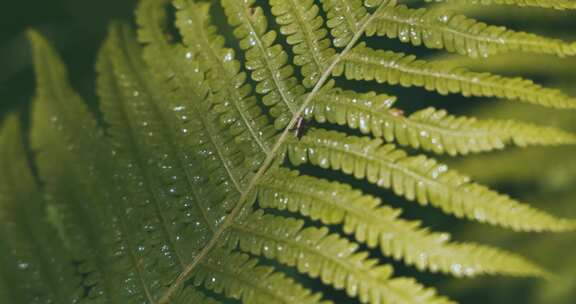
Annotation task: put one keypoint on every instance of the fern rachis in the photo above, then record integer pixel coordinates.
(179, 183)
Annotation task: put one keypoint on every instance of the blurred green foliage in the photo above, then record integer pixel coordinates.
(544, 177)
(77, 27)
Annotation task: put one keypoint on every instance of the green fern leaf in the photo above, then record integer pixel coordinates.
(344, 17)
(555, 4)
(419, 178)
(239, 277)
(364, 63)
(30, 251)
(268, 61)
(303, 28)
(65, 132)
(440, 29)
(226, 82)
(172, 183)
(376, 225)
(524, 63)
(334, 260)
(428, 129)
(181, 192)
(505, 131)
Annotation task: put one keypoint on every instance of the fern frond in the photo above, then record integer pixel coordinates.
(34, 262)
(202, 129)
(344, 18)
(66, 133)
(554, 4)
(421, 179)
(145, 127)
(267, 61)
(83, 224)
(303, 27)
(440, 29)
(334, 260)
(526, 64)
(52, 126)
(380, 226)
(364, 63)
(157, 203)
(130, 78)
(53, 90)
(485, 135)
(428, 129)
(239, 277)
(176, 76)
(233, 97)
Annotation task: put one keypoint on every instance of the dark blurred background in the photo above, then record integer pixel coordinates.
(76, 27)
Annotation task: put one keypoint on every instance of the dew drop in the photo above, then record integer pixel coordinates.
(229, 56)
(23, 265)
(444, 18)
(456, 269)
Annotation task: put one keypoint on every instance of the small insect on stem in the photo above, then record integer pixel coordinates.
(300, 127)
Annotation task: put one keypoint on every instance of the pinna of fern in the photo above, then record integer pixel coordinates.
(173, 198)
